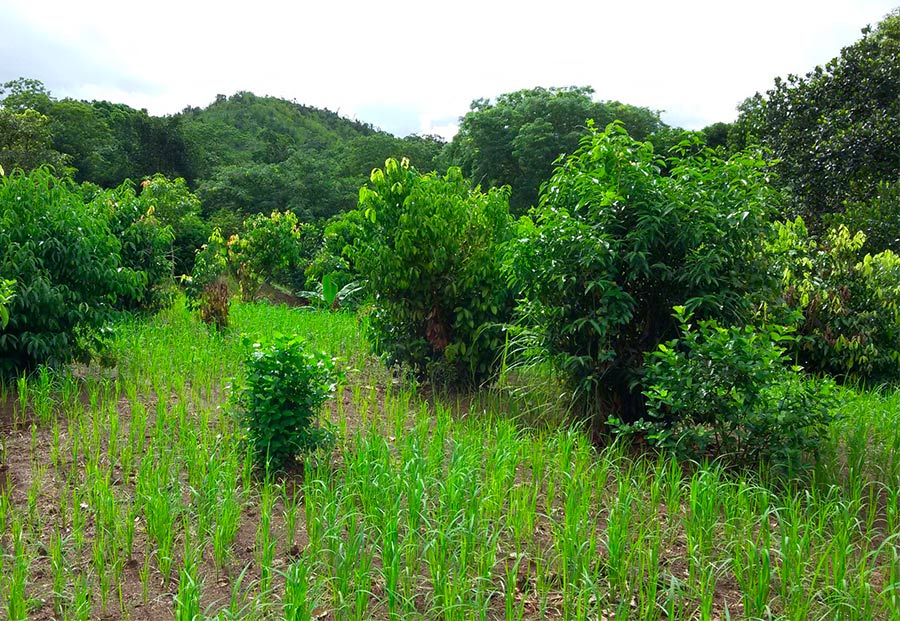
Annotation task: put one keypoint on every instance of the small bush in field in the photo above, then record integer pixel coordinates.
(146, 245)
(286, 386)
(214, 304)
(275, 249)
(210, 265)
(730, 392)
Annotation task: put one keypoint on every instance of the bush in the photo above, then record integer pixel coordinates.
(145, 245)
(428, 250)
(615, 244)
(878, 218)
(210, 265)
(214, 304)
(276, 249)
(333, 256)
(286, 386)
(730, 392)
(67, 267)
(849, 303)
(173, 204)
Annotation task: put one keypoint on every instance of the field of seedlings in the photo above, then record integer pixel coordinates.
(126, 493)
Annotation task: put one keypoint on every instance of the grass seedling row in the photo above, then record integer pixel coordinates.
(127, 493)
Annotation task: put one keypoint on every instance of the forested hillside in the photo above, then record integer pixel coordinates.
(242, 154)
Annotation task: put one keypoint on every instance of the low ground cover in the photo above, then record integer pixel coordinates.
(126, 493)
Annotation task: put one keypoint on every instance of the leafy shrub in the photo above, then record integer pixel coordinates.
(145, 245)
(177, 208)
(210, 265)
(67, 266)
(730, 392)
(276, 248)
(615, 244)
(849, 304)
(878, 218)
(7, 291)
(428, 250)
(333, 256)
(286, 386)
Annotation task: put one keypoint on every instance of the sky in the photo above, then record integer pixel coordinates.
(415, 66)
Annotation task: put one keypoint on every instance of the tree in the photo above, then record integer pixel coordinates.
(275, 248)
(515, 139)
(76, 130)
(429, 250)
(178, 209)
(834, 133)
(67, 268)
(25, 141)
(26, 94)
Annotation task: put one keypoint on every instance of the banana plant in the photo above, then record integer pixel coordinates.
(328, 295)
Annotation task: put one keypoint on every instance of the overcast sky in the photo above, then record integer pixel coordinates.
(414, 66)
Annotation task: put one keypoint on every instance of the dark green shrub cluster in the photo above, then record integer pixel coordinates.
(849, 303)
(146, 245)
(429, 252)
(285, 387)
(67, 266)
(615, 245)
(732, 393)
(332, 257)
(878, 218)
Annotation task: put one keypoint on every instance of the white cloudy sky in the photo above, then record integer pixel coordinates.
(414, 66)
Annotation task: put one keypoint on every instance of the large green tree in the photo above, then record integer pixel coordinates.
(515, 139)
(835, 132)
(26, 142)
(428, 248)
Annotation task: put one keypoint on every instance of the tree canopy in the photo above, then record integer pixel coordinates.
(835, 132)
(515, 139)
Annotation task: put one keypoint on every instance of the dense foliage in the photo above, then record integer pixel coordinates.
(615, 245)
(285, 387)
(835, 133)
(333, 258)
(178, 209)
(66, 265)
(849, 302)
(428, 250)
(275, 248)
(515, 139)
(146, 246)
(878, 218)
(731, 392)
(25, 141)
